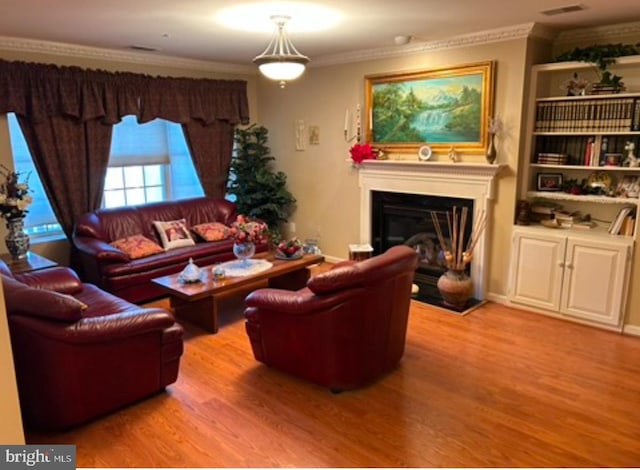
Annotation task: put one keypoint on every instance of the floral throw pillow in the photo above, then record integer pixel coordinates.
(137, 246)
(173, 233)
(212, 231)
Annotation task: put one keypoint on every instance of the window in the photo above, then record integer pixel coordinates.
(40, 220)
(134, 185)
(148, 163)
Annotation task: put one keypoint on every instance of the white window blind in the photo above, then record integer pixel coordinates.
(139, 144)
(149, 162)
(184, 179)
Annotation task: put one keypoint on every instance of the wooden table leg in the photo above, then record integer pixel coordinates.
(291, 281)
(202, 313)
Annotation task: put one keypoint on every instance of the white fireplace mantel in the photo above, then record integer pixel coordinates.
(462, 180)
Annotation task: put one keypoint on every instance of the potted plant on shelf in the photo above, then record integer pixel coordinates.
(602, 56)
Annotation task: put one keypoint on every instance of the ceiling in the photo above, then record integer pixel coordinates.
(188, 28)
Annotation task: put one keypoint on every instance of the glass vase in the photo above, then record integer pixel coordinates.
(16, 240)
(491, 150)
(244, 251)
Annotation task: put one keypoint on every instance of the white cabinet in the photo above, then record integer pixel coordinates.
(571, 275)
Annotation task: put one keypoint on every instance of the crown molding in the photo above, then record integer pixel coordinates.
(605, 33)
(114, 55)
(473, 39)
(148, 58)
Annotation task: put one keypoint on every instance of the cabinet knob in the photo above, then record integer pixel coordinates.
(569, 266)
(560, 264)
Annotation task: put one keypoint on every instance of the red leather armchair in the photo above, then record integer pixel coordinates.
(80, 352)
(342, 331)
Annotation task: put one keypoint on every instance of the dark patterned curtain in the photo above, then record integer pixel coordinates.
(67, 115)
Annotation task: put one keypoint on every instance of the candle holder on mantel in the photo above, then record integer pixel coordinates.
(347, 126)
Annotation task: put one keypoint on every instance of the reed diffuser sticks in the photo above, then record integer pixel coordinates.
(457, 255)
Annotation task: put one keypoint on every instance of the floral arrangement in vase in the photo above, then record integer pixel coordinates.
(14, 195)
(360, 152)
(575, 86)
(245, 230)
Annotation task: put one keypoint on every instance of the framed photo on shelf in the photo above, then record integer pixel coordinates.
(549, 182)
(629, 186)
(443, 108)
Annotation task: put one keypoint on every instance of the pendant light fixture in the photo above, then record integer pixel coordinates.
(281, 61)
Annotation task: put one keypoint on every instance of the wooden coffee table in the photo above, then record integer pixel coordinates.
(198, 302)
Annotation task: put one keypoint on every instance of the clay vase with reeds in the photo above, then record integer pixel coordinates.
(456, 288)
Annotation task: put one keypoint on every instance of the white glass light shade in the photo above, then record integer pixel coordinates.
(282, 70)
(280, 60)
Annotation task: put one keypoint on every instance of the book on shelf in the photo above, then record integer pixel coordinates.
(598, 115)
(627, 225)
(584, 224)
(588, 152)
(616, 226)
(635, 124)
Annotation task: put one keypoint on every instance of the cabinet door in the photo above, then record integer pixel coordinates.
(536, 271)
(594, 280)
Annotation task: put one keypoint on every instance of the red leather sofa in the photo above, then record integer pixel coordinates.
(113, 270)
(80, 352)
(342, 331)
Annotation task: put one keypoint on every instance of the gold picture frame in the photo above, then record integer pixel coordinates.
(443, 108)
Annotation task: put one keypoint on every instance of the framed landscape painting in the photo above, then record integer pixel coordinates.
(443, 108)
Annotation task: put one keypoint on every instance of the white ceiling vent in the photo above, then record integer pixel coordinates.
(565, 9)
(140, 47)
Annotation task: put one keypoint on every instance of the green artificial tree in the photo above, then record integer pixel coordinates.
(260, 191)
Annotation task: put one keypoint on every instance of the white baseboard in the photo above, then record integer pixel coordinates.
(497, 298)
(333, 259)
(631, 330)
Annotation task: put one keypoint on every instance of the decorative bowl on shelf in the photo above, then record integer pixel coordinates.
(291, 249)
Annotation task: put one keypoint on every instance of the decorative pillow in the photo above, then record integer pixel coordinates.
(212, 231)
(173, 233)
(21, 298)
(137, 246)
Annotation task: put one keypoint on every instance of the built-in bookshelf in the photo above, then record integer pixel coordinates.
(584, 141)
(574, 258)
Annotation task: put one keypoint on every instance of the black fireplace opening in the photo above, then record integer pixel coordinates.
(405, 219)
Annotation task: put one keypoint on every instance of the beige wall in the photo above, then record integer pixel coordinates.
(321, 177)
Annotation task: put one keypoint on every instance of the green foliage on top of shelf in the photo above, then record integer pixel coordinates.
(259, 190)
(602, 56)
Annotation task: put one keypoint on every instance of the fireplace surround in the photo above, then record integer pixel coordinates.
(473, 182)
(407, 219)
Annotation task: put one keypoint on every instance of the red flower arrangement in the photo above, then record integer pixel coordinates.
(360, 152)
(244, 230)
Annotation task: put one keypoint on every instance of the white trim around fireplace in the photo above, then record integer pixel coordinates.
(463, 180)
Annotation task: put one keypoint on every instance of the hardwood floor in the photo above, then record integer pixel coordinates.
(498, 387)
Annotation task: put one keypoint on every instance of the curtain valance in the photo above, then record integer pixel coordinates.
(43, 90)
